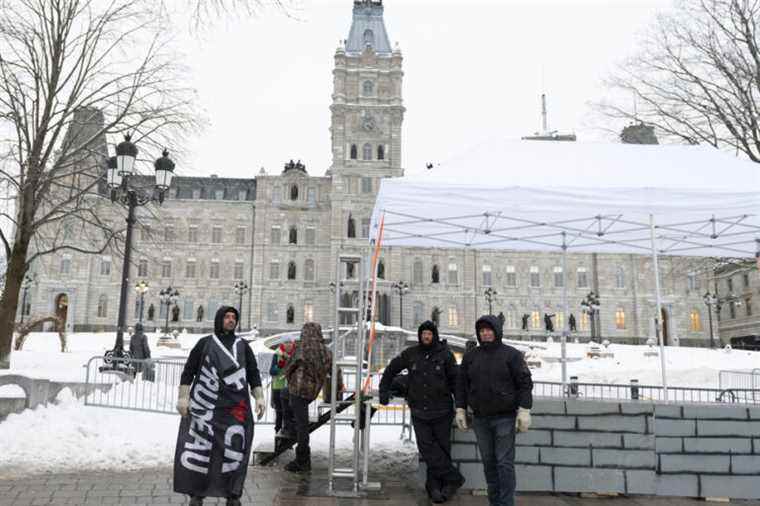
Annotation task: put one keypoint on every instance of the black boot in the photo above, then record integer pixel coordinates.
(433, 488)
(196, 501)
(233, 501)
(450, 487)
(298, 467)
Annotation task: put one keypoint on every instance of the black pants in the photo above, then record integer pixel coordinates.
(434, 443)
(300, 408)
(278, 408)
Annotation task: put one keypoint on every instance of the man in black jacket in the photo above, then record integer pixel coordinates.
(431, 383)
(495, 382)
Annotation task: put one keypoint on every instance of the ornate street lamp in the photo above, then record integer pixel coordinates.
(29, 280)
(120, 179)
(141, 288)
(240, 288)
(590, 305)
(490, 294)
(169, 297)
(712, 300)
(401, 288)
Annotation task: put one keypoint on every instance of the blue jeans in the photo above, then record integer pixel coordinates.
(496, 441)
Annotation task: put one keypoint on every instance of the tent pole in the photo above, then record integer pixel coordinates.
(658, 309)
(566, 310)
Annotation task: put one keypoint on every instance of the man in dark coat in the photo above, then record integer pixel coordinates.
(431, 383)
(216, 430)
(138, 347)
(495, 382)
(306, 374)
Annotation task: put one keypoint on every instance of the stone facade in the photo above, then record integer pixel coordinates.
(289, 224)
(739, 316)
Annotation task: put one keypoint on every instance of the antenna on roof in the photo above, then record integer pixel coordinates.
(544, 123)
(545, 134)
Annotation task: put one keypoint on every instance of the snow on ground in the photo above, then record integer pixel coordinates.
(70, 436)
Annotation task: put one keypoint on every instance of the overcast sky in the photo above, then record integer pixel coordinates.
(474, 70)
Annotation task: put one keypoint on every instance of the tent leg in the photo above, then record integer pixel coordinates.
(658, 309)
(566, 310)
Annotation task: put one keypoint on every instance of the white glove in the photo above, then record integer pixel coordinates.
(183, 400)
(522, 422)
(261, 405)
(461, 419)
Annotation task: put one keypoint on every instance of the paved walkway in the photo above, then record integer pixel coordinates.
(264, 486)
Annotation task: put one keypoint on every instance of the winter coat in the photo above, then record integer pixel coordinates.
(138, 345)
(310, 365)
(432, 376)
(494, 379)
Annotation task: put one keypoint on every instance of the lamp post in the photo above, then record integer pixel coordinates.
(141, 288)
(490, 294)
(240, 288)
(27, 283)
(168, 296)
(590, 305)
(401, 288)
(712, 300)
(120, 179)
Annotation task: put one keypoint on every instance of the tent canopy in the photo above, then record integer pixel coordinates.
(539, 195)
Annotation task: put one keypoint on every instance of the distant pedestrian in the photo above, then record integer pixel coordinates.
(216, 430)
(495, 382)
(139, 349)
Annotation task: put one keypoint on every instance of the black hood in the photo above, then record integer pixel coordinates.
(428, 325)
(219, 319)
(489, 321)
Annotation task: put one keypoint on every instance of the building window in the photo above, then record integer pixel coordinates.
(560, 321)
(276, 195)
(511, 279)
(695, 320)
(145, 233)
(367, 152)
(453, 274)
(308, 270)
(213, 272)
(354, 153)
(293, 235)
(190, 269)
(487, 279)
(381, 269)
(238, 270)
(535, 277)
(213, 305)
(290, 314)
(419, 312)
(168, 234)
(166, 269)
(308, 312)
(240, 235)
(369, 38)
(691, 282)
(274, 236)
(620, 319)
(105, 266)
(242, 194)
(730, 284)
(219, 195)
(311, 197)
(192, 235)
(535, 319)
(197, 194)
(381, 152)
(274, 270)
(151, 313)
(216, 235)
(142, 268)
(453, 317)
(732, 310)
(366, 185)
(745, 279)
(187, 310)
(351, 232)
(365, 227)
(620, 278)
(417, 272)
(435, 276)
(510, 319)
(748, 306)
(584, 323)
(582, 277)
(294, 192)
(291, 270)
(350, 270)
(367, 88)
(103, 306)
(272, 315)
(310, 237)
(559, 278)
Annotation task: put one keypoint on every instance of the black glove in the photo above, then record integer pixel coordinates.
(385, 398)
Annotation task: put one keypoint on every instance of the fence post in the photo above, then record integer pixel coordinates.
(635, 389)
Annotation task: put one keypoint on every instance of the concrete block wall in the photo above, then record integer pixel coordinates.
(630, 448)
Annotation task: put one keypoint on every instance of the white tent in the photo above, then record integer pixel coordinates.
(584, 197)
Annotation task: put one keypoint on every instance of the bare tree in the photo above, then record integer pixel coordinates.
(72, 74)
(205, 11)
(696, 77)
